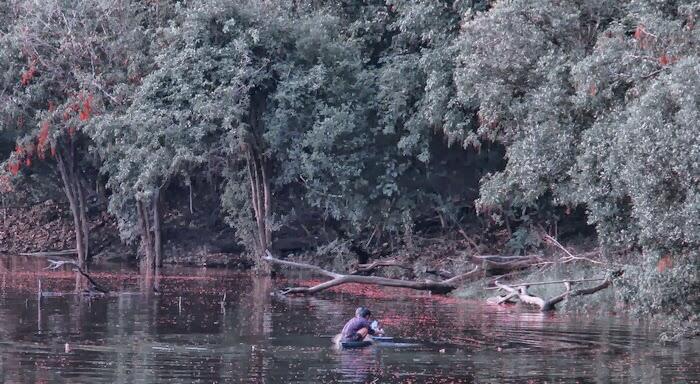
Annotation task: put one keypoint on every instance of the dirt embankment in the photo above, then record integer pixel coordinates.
(42, 227)
(48, 226)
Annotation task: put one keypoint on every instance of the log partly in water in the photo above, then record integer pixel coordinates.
(440, 287)
(520, 292)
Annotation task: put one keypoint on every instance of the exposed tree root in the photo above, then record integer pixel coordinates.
(440, 287)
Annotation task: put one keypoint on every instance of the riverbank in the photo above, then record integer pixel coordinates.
(665, 291)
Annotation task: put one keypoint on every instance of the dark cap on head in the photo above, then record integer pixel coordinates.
(364, 312)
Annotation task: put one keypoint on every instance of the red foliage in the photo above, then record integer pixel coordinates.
(53, 151)
(43, 139)
(13, 167)
(19, 150)
(28, 161)
(667, 59)
(639, 32)
(86, 109)
(28, 75)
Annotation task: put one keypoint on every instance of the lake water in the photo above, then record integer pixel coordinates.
(189, 334)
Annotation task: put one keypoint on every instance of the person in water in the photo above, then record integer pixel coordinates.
(359, 326)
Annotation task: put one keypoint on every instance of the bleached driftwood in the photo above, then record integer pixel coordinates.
(520, 292)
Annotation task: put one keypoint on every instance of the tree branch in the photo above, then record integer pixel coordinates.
(55, 264)
(569, 256)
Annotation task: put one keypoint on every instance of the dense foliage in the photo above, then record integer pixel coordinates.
(357, 120)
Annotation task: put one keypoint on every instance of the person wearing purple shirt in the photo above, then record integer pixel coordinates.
(358, 327)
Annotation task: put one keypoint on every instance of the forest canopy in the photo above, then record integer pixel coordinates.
(350, 119)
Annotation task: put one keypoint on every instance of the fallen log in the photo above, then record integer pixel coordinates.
(439, 287)
(548, 305)
(50, 253)
(498, 265)
(369, 268)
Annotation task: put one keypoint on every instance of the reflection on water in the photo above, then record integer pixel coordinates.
(188, 333)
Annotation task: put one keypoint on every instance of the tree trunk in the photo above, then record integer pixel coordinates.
(147, 262)
(266, 203)
(76, 200)
(157, 243)
(258, 175)
(260, 201)
(67, 168)
(191, 197)
(82, 207)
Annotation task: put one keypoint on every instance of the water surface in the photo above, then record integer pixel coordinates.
(189, 333)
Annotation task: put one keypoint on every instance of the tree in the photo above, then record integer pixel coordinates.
(596, 104)
(68, 65)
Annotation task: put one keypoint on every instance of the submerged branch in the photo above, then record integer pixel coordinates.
(56, 264)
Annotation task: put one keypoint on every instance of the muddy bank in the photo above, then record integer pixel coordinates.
(48, 226)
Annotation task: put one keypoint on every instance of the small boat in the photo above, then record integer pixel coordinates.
(355, 344)
(366, 342)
